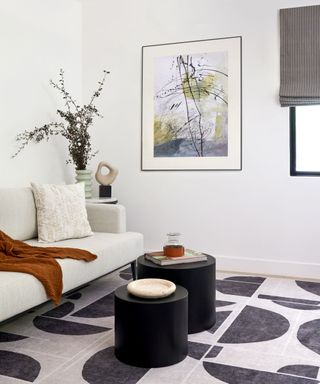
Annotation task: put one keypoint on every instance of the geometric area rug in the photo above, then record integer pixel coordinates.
(267, 332)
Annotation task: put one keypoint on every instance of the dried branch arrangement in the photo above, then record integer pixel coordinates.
(74, 126)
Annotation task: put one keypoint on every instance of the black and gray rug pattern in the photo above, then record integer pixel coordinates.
(267, 331)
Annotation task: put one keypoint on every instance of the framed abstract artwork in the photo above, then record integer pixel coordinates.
(191, 105)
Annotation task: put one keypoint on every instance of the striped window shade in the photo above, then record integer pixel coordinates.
(300, 56)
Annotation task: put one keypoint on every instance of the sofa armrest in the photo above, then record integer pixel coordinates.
(107, 217)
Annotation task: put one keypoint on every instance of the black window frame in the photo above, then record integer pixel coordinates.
(293, 164)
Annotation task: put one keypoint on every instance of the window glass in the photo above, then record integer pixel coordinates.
(305, 137)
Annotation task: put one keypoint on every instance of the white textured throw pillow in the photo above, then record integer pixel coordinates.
(61, 211)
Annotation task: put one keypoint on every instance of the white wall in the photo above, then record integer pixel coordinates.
(247, 219)
(256, 220)
(37, 38)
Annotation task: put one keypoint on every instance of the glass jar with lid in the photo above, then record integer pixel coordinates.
(173, 246)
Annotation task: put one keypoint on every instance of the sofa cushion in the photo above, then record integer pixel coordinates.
(113, 251)
(61, 211)
(18, 216)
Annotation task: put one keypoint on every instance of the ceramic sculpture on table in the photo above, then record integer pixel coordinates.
(105, 181)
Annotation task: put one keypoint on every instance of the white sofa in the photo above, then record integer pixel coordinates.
(110, 242)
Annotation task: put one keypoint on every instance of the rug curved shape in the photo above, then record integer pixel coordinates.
(303, 307)
(222, 303)
(63, 327)
(254, 325)
(126, 274)
(6, 337)
(197, 350)
(309, 335)
(236, 375)
(221, 316)
(61, 310)
(309, 286)
(214, 352)
(104, 367)
(247, 279)
(75, 296)
(103, 307)
(236, 288)
(19, 366)
(310, 371)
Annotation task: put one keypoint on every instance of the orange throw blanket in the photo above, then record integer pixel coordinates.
(17, 256)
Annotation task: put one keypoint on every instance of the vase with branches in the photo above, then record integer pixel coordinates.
(74, 124)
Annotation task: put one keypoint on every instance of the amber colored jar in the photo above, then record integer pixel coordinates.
(173, 250)
(173, 247)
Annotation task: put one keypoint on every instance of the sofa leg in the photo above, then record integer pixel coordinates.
(134, 270)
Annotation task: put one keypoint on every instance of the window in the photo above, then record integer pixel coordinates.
(305, 140)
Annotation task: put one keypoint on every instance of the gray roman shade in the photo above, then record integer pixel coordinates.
(300, 56)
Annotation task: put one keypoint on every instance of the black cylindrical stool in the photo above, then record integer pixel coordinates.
(198, 278)
(151, 332)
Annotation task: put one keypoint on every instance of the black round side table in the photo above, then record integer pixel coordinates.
(151, 332)
(198, 278)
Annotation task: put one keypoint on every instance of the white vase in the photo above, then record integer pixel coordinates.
(85, 175)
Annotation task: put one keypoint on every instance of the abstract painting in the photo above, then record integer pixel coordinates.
(191, 112)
